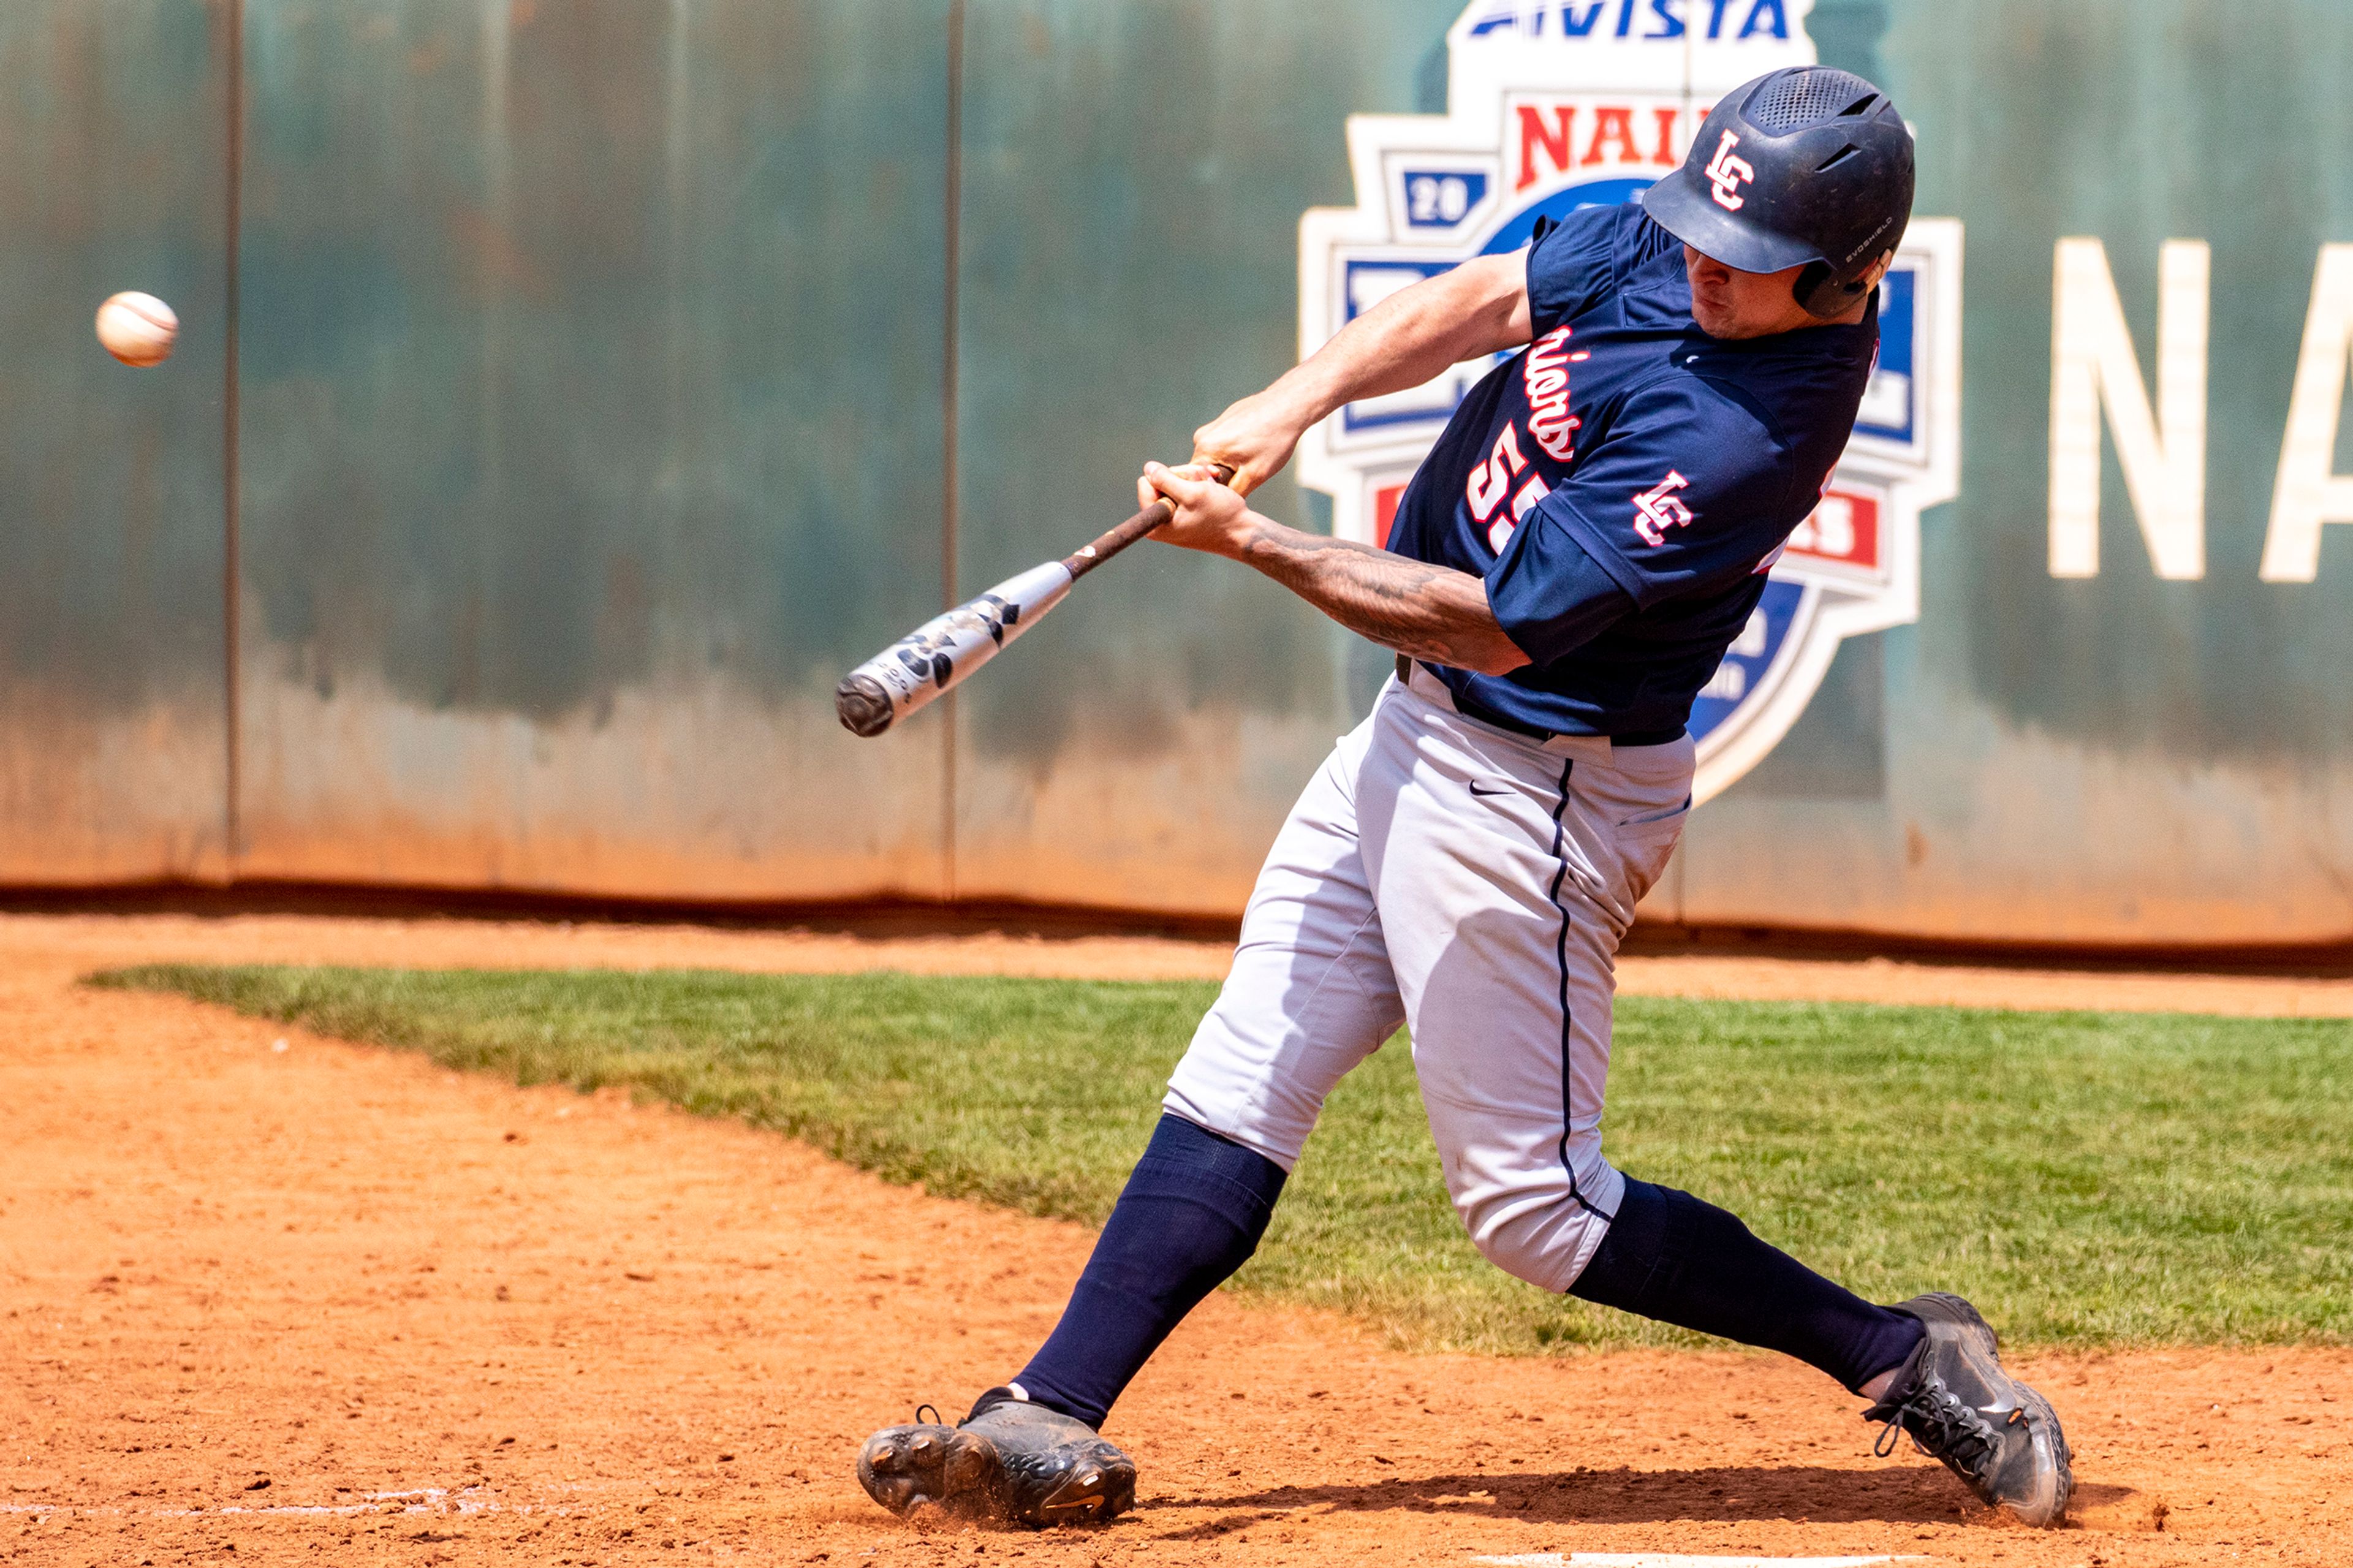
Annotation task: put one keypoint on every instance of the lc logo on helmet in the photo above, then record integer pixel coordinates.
(1729, 174)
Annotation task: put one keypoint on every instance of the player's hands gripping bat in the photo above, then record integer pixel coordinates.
(944, 650)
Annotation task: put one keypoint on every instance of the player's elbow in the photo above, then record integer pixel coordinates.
(1479, 642)
(1498, 655)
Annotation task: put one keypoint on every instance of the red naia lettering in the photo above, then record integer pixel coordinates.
(1553, 139)
(1546, 136)
(1657, 510)
(1613, 125)
(1547, 374)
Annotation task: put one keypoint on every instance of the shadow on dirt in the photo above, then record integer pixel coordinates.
(1731, 1494)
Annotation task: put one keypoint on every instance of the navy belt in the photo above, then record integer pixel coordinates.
(1479, 712)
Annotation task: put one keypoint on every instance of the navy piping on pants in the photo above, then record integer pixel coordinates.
(1560, 954)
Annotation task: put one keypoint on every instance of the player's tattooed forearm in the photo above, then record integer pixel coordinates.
(1428, 611)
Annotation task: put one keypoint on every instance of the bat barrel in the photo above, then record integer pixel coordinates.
(944, 650)
(863, 705)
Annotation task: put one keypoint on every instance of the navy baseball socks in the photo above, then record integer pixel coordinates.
(1672, 1258)
(1191, 1214)
(1197, 1203)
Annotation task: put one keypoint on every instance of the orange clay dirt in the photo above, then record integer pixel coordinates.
(268, 1298)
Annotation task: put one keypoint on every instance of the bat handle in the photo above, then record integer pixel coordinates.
(1087, 557)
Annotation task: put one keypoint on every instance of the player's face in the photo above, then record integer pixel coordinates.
(1729, 303)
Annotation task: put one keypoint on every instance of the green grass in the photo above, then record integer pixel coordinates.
(2088, 1178)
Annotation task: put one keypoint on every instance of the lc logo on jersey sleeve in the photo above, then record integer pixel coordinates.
(1657, 508)
(1576, 103)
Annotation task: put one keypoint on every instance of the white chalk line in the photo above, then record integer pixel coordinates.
(433, 1501)
(1673, 1560)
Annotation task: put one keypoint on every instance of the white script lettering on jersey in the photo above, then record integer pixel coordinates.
(1547, 374)
(1729, 174)
(1657, 510)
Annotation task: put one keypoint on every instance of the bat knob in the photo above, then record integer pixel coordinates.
(862, 706)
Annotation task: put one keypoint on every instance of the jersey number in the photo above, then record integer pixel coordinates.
(1491, 479)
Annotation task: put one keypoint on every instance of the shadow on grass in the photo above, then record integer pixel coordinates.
(1729, 1494)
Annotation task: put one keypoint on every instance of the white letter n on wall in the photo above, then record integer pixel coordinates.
(2309, 494)
(2163, 455)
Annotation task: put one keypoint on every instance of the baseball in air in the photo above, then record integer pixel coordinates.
(138, 329)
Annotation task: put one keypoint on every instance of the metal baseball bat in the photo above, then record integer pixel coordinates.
(945, 650)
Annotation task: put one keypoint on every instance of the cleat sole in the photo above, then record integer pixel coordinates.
(924, 1470)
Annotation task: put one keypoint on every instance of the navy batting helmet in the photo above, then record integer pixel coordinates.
(1808, 166)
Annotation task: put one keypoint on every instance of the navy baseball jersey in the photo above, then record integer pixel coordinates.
(1624, 483)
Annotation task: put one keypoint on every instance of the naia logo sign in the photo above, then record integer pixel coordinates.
(1558, 106)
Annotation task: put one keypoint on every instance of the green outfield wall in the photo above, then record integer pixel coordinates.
(570, 390)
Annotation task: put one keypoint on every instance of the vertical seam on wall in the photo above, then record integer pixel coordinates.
(231, 554)
(949, 518)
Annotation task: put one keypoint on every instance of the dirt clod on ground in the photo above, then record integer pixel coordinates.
(275, 1299)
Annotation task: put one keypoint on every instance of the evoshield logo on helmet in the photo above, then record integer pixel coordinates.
(1556, 106)
(1729, 174)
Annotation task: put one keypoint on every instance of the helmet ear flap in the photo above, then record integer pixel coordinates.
(1821, 294)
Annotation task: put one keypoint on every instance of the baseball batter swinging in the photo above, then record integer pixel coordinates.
(1565, 574)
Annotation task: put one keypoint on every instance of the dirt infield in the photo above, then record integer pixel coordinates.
(277, 1298)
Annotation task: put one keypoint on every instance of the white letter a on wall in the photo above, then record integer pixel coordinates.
(2162, 453)
(2308, 495)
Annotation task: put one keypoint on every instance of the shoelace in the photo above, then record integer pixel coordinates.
(1940, 1425)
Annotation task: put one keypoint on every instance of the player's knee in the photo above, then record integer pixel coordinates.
(1212, 1089)
(1543, 1238)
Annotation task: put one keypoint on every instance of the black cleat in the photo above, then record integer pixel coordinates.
(1958, 1405)
(1009, 1462)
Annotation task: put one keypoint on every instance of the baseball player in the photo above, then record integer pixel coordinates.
(1565, 574)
